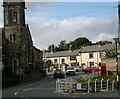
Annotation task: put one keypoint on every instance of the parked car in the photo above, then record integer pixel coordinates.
(58, 74)
(70, 71)
(89, 70)
(80, 68)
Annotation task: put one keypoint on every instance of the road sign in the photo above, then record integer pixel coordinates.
(79, 86)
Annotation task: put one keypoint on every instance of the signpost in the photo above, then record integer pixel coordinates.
(79, 86)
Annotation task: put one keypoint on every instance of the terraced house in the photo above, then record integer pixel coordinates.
(86, 56)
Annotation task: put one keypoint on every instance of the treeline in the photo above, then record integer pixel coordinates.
(73, 45)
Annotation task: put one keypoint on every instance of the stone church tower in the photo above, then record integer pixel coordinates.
(20, 50)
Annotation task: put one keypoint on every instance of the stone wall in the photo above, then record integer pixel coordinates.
(110, 64)
(33, 76)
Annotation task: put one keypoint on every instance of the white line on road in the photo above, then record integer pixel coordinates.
(16, 93)
(27, 89)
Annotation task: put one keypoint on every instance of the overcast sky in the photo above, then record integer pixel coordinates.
(51, 22)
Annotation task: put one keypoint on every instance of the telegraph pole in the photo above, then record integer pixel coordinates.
(118, 48)
(119, 20)
(118, 53)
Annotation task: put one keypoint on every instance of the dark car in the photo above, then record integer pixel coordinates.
(58, 74)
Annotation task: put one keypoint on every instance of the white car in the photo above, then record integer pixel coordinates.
(70, 71)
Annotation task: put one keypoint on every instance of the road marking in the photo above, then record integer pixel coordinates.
(32, 83)
(16, 93)
(27, 89)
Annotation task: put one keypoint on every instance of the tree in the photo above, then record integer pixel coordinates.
(62, 46)
(110, 53)
(79, 42)
(51, 48)
(103, 42)
(47, 64)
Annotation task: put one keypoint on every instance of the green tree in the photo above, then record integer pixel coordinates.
(103, 42)
(79, 42)
(62, 46)
(48, 64)
(110, 53)
(51, 48)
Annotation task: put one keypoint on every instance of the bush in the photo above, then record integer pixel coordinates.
(81, 79)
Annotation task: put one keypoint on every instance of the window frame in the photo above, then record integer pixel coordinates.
(91, 55)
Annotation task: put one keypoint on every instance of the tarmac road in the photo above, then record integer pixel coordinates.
(46, 88)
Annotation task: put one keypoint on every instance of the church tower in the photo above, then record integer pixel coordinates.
(14, 20)
(14, 13)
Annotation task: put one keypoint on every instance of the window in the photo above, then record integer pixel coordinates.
(91, 63)
(14, 37)
(63, 60)
(73, 58)
(10, 37)
(55, 60)
(14, 17)
(10, 16)
(102, 55)
(90, 55)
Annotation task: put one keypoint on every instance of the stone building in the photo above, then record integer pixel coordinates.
(19, 54)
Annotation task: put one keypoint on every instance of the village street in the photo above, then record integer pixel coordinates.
(46, 88)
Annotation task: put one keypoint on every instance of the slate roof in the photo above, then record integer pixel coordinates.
(93, 48)
(97, 48)
(61, 53)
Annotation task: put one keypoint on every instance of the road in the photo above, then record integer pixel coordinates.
(46, 88)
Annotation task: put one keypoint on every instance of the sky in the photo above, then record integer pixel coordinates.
(51, 22)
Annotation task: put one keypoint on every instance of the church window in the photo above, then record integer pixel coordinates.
(10, 16)
(10, 37)
(14, 37)
(14, 17)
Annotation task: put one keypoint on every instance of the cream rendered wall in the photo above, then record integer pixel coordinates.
(85, 58)
(81, 58)
(59, 59)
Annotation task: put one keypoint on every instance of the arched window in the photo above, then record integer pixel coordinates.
(10, 37)
(14, 37)
(10, 16)
(14, 17)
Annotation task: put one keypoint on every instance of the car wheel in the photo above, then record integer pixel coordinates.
(76, 70)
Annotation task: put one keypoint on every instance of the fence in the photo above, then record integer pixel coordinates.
(70, 85)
